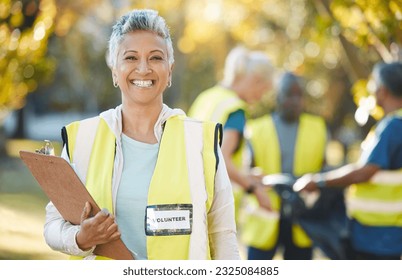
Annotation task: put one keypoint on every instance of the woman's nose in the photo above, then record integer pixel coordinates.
(143, 67)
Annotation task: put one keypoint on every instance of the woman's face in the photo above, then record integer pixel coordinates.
(142, 69)
(255, 86)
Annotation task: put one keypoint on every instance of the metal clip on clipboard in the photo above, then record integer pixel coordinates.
(46, 149)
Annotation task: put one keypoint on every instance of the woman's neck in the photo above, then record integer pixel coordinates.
(139, 122)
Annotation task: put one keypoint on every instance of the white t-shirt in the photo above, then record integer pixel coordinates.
(138, 167)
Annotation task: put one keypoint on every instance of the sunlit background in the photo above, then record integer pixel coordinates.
(53, 71)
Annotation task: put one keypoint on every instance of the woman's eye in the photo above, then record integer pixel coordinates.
(130, 58)
(156, 58)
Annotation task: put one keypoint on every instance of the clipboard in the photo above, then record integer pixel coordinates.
(64, 188)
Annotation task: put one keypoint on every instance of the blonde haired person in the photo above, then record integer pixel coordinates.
(247, 76)
(144, 161)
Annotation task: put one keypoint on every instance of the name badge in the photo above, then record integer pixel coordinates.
(169, 219)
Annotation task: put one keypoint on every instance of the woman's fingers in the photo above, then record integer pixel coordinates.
(113, 232)
(98, 229)
(86, 211)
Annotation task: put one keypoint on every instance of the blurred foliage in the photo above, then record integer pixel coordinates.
(25, 27)
(332, 44)
(25, 30)
(375, 27)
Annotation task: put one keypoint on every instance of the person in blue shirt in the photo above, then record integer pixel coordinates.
(374, 204)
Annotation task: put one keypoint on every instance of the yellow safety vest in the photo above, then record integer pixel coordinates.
(216, 104)
(170, 181)
(261, 228)
(377, 204)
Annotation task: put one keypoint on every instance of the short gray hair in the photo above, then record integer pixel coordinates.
(241, 61)
(147, 20)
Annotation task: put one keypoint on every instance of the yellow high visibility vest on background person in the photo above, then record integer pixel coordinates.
(376, 204)
(216, 104)
(261, 227)
(170, 181)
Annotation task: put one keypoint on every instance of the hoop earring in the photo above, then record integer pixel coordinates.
(169, 83)
(115, 84)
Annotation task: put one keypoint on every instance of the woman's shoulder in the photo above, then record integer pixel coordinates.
(193, 123)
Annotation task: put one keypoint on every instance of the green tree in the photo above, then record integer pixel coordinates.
(369, 32)
(25, 27)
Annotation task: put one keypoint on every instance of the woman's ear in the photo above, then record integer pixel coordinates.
(114, 77)
(171, 70)
(169, 83)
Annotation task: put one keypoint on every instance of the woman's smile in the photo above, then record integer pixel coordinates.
(142, 83)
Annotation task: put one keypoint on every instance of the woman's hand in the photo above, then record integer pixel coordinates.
(95, 230)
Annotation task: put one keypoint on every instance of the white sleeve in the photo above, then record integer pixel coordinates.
(221, 221)
(60, 234)
(224, 246)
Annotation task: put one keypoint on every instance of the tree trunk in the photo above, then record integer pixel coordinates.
(3, 140)
(19, 132)
(354, 67)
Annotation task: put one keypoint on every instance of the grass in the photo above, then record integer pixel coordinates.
(22, 209)
(22, 218)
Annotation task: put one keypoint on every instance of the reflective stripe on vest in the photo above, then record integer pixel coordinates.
(98, 176)
(170, 183)
(264, 140)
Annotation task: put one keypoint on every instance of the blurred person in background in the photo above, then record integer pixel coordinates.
(144, 160)
(247, 76)
(287, 141)
(374, 196)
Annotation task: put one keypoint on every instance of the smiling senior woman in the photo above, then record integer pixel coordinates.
(143, 161)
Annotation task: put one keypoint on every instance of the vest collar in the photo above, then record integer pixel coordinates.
(113, 118)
